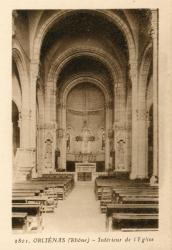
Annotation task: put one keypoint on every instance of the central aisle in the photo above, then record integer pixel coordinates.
(79, 212)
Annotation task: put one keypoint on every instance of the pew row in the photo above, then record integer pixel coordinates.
(33, 220)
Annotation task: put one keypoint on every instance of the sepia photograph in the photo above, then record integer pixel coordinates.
(85, 135)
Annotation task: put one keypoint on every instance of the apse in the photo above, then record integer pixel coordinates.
(86, 119)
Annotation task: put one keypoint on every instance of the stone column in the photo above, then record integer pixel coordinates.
(120, 128)
(154, 23)
(40, 130)
(142, 157)
(14, 17)
(62, 136)
(48, 146)
(128, 127)
(34, 68)
(49, 127)
(25, 128)
(107, 146)
(134, 81)
(50, 102)
(34, 71)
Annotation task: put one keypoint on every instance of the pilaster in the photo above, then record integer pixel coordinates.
(154, 24)
(134, 80)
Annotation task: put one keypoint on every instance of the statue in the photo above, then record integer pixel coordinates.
(48, 154)
(120, 152)
(103, 140)
(68, 142)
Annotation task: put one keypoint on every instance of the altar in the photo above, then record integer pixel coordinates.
(85, 171)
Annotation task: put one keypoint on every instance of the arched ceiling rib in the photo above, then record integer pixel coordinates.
(84, 65)
(87, 27)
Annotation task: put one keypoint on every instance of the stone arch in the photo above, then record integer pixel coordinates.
(64, 93)
(16, 87)
(57, 66)
(144, 68)
(72, 53)
(149, 94)
(68, 87)
(18, 57)
(111, 16)
(16, 127)
(20, 61)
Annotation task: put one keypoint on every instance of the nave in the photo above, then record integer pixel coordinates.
(80, 212)
(56, 203)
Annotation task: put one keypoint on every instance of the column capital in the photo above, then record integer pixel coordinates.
(35, 75)
(14, 17)
(48, 126)
(108, 105)
(119, 126)
(26, 114)
(132, 69)
(142, 114)
(154, 23)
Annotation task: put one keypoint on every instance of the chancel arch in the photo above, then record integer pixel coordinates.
(90, 58)
(110, 16)
(88, 84)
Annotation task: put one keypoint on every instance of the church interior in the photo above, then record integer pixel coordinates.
(85, 120)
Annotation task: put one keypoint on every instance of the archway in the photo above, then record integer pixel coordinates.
(85, 104)
(77, 53)
(16, 129)
(85, 124)
(111, 17)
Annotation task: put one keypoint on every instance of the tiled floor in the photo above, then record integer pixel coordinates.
(79, 212)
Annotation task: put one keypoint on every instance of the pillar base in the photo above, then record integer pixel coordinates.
(23, 163)
(133, 176)
(136, 176)
(154, 180)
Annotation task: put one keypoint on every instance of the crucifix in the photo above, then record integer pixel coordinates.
(85, 136)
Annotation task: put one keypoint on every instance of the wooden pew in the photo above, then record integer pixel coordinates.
(21, 190)
(65, 181)
(133, 191)
(106, 198)
(111, 195)
(57, 187)
(23, 193)
(43, 191)
(139, 200)
(128, 197)
(19, 222)
(134, 220)
(34, 215)
(128, 208)
(46, 206)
